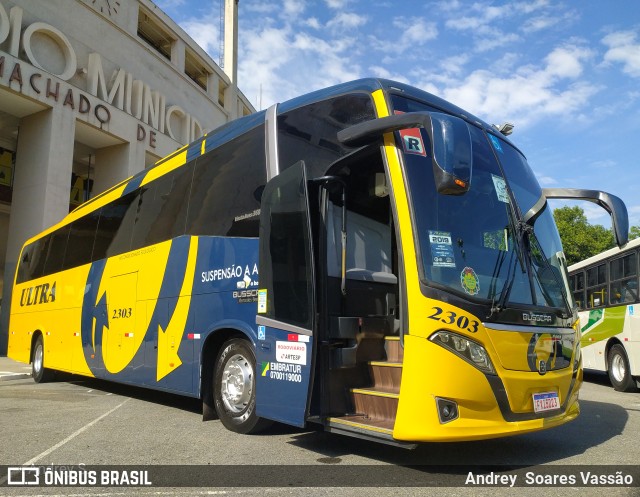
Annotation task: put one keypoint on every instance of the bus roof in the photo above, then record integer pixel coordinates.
(238, 126)
(604, 255)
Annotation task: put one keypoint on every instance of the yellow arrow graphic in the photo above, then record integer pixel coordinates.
(169, 339)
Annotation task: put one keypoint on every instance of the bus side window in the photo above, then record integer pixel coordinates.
(596, 286)
(577, 286)
(115, 227)
(25, 267)
(162, 210)
(223, 200)
(56, 250)
(624, 282)
(81, 241)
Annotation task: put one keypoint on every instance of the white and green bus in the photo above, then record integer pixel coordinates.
(605, 288)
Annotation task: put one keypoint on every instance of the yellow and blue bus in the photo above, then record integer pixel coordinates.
(367, 257)
(605, 288)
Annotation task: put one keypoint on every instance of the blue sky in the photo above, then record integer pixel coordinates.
(566, 73)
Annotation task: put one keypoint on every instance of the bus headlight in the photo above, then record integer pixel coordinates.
(470, 351)
(577, 357)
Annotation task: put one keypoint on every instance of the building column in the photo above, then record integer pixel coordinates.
(116, 163)
(41, 187)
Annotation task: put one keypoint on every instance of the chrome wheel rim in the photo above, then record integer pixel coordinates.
(237, 384)
(37, 359)
(618, 368)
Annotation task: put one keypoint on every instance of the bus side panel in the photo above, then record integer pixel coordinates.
(598, 327)
(631, 338)
(225, 288)
(51, 306)
(140, 317)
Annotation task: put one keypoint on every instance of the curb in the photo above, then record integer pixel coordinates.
(4, 376)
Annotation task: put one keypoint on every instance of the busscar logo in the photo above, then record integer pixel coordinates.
(536, 318)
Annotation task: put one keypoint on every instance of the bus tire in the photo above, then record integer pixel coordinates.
(234, 388)
(39, 373)
(619, 371)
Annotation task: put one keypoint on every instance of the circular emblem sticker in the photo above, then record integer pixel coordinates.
(469, 281)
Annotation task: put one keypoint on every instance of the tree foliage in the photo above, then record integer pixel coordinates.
(580, 239)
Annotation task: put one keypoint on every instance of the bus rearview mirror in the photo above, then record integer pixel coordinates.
(450, 144)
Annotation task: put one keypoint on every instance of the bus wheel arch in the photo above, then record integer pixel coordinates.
(39, 373)
(209, 354)
(232, 386)
(618, 368)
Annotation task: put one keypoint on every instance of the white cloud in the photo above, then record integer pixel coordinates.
(567, 62)
(410, 32)
(206, 33)
(484, 14)
(337, 4)
(546, 180)
(454, 65)
(313, 23)
(346, 21)
(496, 40)
(293, 8)
(529, 7)
(278, 64)
(623, 49)
(383, 72)
(529, 93)
(539, 23)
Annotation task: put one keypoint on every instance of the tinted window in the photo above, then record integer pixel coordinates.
(55, 251)
(30, 267)
(309, 133)
(40, 251)
(285, 250)
(162, 208)
(81, 240)
(24, 265)
(227, 184)
(624, 283)
(115, 227)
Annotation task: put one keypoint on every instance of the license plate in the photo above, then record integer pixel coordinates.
(546, 401)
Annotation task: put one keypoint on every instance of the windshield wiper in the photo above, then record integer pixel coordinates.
(517, 230)
(550, 269)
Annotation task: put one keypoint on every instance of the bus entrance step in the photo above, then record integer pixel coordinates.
(394, 349)
(377, 405)
(361, 426)
(386, 375)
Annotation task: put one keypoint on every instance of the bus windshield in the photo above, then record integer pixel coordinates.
(475, 244)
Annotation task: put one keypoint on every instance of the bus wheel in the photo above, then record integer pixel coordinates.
(234, 388)
(38, 371)
(619, 372)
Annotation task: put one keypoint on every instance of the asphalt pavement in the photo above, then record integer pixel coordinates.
(13, 370)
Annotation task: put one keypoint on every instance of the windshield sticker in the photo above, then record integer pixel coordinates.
(469, 281)
(412, 142)
(496, 143)
(441, 249)
(501, 188)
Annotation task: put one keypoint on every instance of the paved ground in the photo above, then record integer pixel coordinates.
(78, 421)
(12, 370)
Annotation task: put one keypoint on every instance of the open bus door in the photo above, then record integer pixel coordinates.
(285, 351)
